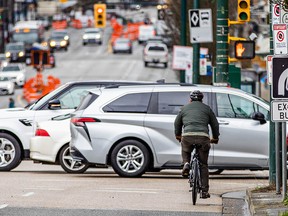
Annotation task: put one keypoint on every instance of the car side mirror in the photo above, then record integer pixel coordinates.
(258, 116)
(54, 104)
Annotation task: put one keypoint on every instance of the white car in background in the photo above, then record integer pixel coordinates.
(16, 72)
(6, 86)
(155, 52)
(92, 35)
(50, 145)
(3, 60)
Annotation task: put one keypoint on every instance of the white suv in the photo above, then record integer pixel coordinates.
(155, 53)
(132, 128)
(17, 125)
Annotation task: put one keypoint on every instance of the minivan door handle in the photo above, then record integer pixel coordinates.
(221, 122)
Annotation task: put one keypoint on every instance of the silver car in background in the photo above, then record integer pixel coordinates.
(92, 35)
(155, 52)
(131, 128)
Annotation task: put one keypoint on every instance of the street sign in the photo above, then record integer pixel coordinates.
(182, 56)
(269, 69)
(280, 39)
(200, 22)
(279, 111)
(280, 77)
(276, 14)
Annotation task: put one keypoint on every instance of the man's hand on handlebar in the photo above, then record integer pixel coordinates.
(178, 138)
(215, 141)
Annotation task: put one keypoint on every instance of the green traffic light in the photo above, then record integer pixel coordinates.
(243, 16)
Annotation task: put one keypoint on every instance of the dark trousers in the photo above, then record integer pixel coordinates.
(203, 142)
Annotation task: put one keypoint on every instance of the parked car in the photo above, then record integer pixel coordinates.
(16, 72)
(48, 146)
(132, 128)
(92, 35)
(15, 52)
(122, 45)
(3, 60)
(6, 86)
(61, 33)
(18, 125)
(155, 53)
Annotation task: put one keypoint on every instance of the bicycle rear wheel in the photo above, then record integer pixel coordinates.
(194, 182)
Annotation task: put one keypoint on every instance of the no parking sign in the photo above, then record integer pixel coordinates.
(280, 39)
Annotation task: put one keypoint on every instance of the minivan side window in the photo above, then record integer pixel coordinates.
(171, 102)
(131, 103)
(233, 106)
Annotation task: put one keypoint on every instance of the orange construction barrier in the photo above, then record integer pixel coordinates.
(35, 87)
(76, 24)
(59, 24)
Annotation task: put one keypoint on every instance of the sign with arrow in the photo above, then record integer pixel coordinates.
(200, 22)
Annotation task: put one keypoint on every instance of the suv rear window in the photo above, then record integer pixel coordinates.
(156, 48)
(130, 103)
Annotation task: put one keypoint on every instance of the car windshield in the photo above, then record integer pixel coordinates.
(10, 68)
(2, 57)
(57, 37)
(46, 98)
(122, 41)
(14, 47)
(30, 37)
(55, 34)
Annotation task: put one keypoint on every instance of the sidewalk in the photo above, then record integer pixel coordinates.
(253, 203)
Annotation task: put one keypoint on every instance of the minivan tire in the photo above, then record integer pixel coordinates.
(8, 142)
(65, 161)
(122, 158)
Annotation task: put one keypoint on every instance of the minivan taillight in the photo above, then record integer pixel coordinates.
(81, 121)
(41, 132)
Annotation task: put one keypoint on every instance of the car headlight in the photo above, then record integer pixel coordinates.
(66, 38)
(97, 36)
(8, 54)
(5, 64)
(52, 43)
(63, 43)
(21, 54)
(85, 37)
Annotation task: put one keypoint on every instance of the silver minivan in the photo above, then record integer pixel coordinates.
(131, 128)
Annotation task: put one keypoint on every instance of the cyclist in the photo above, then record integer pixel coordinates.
(194, 119)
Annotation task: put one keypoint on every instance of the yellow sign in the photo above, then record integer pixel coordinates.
(63, 1)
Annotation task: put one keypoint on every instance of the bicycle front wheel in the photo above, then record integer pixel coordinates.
(194, 182)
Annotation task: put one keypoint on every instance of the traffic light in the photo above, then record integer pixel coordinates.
(244, 49)
(243, 10)
(100, 15)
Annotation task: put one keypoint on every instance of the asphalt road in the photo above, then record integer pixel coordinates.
(36, 189)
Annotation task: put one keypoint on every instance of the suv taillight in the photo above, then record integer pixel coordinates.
(81, 121)
(41, 132)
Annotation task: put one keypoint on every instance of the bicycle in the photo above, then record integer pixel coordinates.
(195, 174)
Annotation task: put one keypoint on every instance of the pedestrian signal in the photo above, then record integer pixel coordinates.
(100, 15)
(244, 49)
(243, 10)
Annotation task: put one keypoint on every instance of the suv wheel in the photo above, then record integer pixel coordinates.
(10, 152)
(69, 164)
(130, 158)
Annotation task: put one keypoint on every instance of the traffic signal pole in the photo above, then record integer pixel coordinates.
(183, 32)
(196, 53)
(222, 47)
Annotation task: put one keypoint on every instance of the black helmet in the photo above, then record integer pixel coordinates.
(196, 95)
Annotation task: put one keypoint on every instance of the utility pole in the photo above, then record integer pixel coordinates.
(183, 32)
(196, 53)
(222, 47)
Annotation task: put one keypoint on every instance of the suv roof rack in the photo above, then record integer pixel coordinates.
(147, 84)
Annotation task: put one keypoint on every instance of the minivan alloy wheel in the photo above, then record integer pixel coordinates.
(130, 158)
(69, 164)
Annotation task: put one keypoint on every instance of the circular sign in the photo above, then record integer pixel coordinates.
(277, 10)
(285, 18)
(280, 36)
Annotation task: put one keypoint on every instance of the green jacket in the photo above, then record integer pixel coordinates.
(195, 117)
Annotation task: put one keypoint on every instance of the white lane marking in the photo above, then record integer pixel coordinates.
(28, 194)
(3, 206)
(49, 189)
